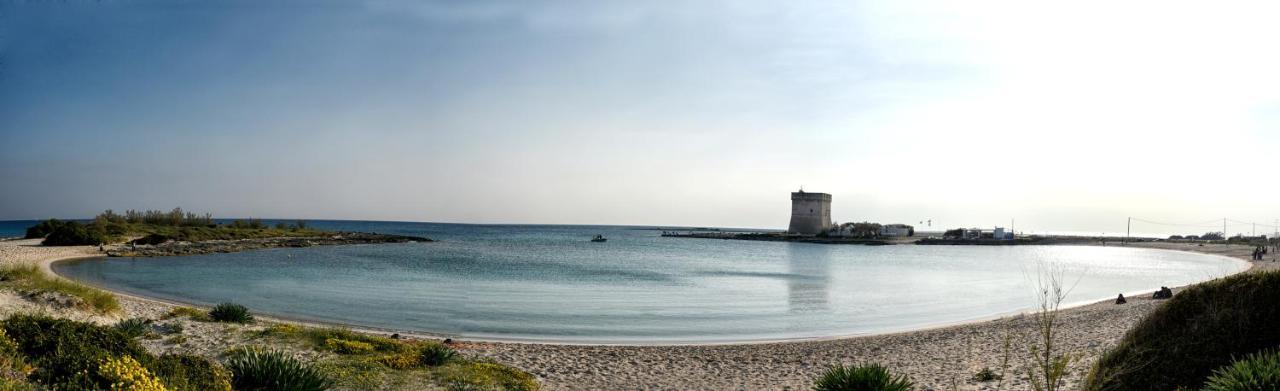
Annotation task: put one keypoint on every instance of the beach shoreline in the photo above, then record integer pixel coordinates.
(1089, 328)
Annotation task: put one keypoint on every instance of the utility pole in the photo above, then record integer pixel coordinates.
(1127, 226)
(1224, 230)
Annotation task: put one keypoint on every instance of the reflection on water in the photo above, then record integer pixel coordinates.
(550, 283)
(808, 265)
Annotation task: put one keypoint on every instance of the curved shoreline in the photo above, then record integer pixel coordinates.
(942, 357)
(47, 266)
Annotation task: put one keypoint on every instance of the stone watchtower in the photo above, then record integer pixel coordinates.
(810, 213)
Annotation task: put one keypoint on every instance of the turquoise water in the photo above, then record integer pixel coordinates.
(549, 283)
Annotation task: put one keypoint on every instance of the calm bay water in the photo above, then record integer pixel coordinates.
(549, 283)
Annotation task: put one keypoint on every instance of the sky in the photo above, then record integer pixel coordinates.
(1058, 116)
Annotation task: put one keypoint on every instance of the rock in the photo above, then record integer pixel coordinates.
(1120, 299)
(223, 246)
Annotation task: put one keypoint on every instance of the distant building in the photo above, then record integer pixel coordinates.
(810, 213)
(897, 230)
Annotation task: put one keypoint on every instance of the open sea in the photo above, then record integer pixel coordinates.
(549, 283)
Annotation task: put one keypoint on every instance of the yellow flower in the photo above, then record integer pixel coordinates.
(127, 374)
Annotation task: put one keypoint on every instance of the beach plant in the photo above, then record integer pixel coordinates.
(1048, 367)
(485, 376)
(67, 354)
(13, 365)
(436, 354)
(867, 377)
(183, 372)
(31, 278)
(18, 385)
(350, 373)
(319, 337)
(257, 369)
(125, 373)
(134, 327)
(343, 346)
(986, 375)
(1202, 328)
(175, 340)
(1256, 372)
(188, 312)
(231, 313)
(171, 328)
(1006, 353)
(283, 329)
(402, 360)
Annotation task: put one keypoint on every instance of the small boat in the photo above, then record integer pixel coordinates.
(598, 238)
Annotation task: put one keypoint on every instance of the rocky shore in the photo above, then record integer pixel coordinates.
(227, 246)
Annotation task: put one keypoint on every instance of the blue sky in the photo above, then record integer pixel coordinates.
(1068, 117)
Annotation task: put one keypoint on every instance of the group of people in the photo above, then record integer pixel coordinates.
(1259, 252)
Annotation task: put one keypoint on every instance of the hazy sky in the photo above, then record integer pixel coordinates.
(1068, 116)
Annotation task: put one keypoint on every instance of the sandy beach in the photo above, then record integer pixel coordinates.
(941, 358)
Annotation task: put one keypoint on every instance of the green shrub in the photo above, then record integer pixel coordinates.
(13, 365)
(134, 327)
(75, 234)
(66, 353)
(253, 369)
(44, 228)
(230, 312)
(435, 354)
(343, 346)
(870, 377)
(1202, 328)
(485, 376)
(191, 373)
(1256, 372)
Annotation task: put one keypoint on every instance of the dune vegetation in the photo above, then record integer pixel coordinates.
(31, 281)
(155, 227)
(1201, 329)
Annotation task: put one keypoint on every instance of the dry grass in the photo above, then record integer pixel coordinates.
(30, 277)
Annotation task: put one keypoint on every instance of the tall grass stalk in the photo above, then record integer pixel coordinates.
(1006, 352)
(1048, 367)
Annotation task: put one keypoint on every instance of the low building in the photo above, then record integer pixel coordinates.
(891, 230)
